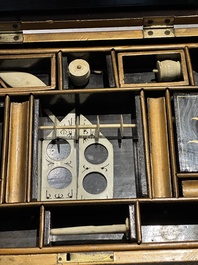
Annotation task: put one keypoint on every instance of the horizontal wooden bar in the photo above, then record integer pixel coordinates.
(155, 247)
(126, 257)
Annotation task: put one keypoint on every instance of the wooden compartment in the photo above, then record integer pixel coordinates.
(15, 170)
(81, 149)
(27, 72)
(146, 68)
(100, 65)
(94, 172)
(168, 222)
(19, 227)
(193, 64)
(89, 224)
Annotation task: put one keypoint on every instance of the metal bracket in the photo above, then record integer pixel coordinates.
(11, 32)
(62, 166)
(158, 27)
(85, 257)
(88, 138)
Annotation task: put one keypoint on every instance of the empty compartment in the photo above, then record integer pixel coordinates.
(88, 151)
(87, 70)
(193, 58)
(152, 68)
(35, 71)
(169, 222)
(85, 224)
(19, 227)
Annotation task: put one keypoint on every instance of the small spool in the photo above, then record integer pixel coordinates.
(168, 70)
(79, 72)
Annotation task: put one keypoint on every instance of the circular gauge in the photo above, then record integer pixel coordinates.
(96, 153)
(94, 183)
(59, 178)
(58, 149)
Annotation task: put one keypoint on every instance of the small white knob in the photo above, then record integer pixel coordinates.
(79, 72)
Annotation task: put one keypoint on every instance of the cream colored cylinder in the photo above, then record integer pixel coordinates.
(159, 151)
(168, 70)
(79, 72)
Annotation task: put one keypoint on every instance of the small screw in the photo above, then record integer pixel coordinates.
(150, 32)
(167, 32)
(60, 259)
(16, 38)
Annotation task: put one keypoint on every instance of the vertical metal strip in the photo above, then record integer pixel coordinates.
(35, 151)
(172, 145)
(146, 140)
(29, 146)
(4, 147)
(132, 223)
(141, 177)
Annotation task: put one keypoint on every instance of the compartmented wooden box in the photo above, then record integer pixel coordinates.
(98, 140)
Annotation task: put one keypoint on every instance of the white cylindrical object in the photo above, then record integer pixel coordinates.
(79, 72)
(168, 70)
(92, 229)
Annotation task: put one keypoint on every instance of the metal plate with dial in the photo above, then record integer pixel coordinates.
(58, 169)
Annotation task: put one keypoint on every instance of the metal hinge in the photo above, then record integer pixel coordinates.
(82, 257)
(158, 27)
(11, 32)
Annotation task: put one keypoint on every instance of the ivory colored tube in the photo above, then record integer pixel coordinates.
(17, 153)
(91, 229)
(190, 188)
(159, 151)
